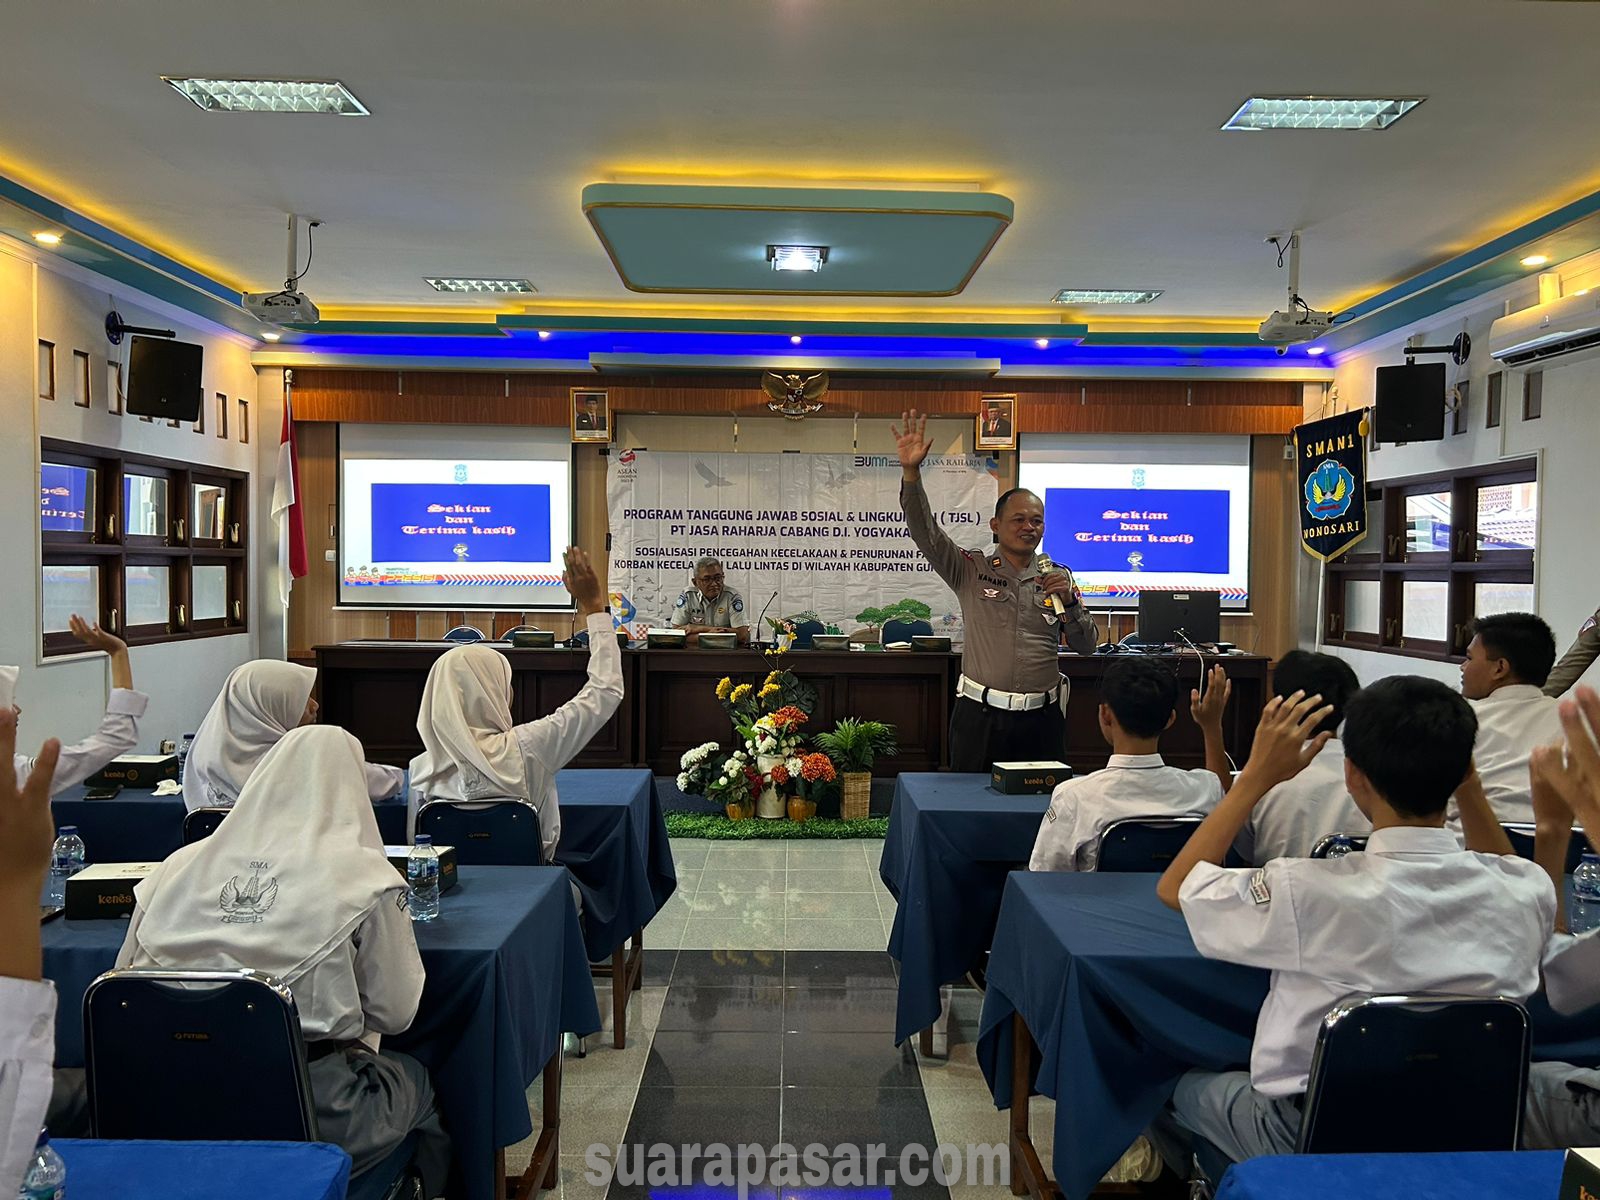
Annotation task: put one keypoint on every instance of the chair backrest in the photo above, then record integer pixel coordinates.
(464, 634)
(1417, 1074)
(490, 833)
(806, 630)
(196, 1056)
(904, 631)
(1143, 843)
(506, 636)
(1358, 841)
(202, 823)
(1521, 836)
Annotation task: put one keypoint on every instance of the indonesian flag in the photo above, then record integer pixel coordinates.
(286, 507)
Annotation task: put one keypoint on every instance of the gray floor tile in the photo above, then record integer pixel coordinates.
(752, 906)
(837, 1059)
(732, 933)
(804, 879)
(747, 1009)
(766, 880)
(729, 856)
(805, 933)
(836, 906)
(665, 932)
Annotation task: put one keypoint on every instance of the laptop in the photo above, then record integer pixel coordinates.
(1164, 614)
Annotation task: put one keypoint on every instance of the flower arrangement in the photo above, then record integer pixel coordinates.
(769, 716)
(727, 778)
(855, 745)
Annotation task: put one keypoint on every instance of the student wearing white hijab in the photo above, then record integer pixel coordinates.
(471, 749)
(119, 727)
(295, 883)
(260, 702)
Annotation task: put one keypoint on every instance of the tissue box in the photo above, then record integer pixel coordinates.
(447, 864)
(136, 771)
(105, 890)
(1028, 778)
(1580, 1175)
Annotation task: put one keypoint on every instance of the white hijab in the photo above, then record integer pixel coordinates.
(260, 702)
(286, 879)
(469, 749)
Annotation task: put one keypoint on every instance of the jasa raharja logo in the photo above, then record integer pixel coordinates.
(1330, 489)
(461, 472)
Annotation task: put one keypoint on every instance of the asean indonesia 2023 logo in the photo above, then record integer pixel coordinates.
(1329, 490)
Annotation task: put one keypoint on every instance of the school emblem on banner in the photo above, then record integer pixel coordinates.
(1332, 472)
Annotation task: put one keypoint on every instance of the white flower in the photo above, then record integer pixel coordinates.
(794, 766)
(683, 783)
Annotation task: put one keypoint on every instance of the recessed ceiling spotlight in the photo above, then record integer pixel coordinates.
(1536, 260)
(794, 339)
(463, 283)
(1316, 350)
(1042, 343)
(269, 95)
(544, 335)
(270, 337)
(1321, 112)
(1106, 295)
(797, 258)
(47, 239)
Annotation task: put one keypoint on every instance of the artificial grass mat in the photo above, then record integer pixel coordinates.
(717, 827)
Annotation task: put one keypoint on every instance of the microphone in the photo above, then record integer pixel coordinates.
(761, 621)
(1044, 566)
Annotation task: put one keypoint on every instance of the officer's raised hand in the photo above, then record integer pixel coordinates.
(911, 442)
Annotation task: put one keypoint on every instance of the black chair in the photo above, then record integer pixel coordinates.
(1521, 836)
(1417, 1074)
(492, 833)
(1358, 841)
(904, 631)
(202, 823)
(207, 1056)
(1143, 843)
(805, 631)
(464, 635)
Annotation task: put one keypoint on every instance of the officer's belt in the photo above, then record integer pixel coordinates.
(1007, 701)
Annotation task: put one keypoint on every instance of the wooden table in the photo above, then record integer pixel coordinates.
(374, 689)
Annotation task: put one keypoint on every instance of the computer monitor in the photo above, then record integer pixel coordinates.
(1162, 614)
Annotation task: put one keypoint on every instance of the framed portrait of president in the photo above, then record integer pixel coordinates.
(996, 427)
(591, 415)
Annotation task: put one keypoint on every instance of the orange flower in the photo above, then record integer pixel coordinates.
(780, 774)
(817, 767)
(789, 715)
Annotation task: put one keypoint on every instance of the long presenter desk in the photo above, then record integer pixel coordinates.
(374, 688)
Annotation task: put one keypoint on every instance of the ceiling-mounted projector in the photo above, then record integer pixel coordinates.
(288, 305)
(284, 307)
(1299, 322)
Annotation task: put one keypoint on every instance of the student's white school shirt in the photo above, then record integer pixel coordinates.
(1511, 722)
(1131, 785)
(371, 984)
(118, 734)
(1572, 971)
(27, 1048)
(1298, 813)
(1415, 913)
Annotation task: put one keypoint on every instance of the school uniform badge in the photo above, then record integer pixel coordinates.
(1259, 891)
(246, 905)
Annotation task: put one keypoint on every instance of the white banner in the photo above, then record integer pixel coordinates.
(822, 531)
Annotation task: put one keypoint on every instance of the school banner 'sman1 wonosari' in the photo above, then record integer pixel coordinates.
(1332, 472)
(824, 531)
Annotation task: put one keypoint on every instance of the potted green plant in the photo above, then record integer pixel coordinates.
(854, 745)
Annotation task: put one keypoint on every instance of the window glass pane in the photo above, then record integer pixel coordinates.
(69, 590)
(67, 498)
(1507, 516)
(1361, 606)
(210, 511)
(144, 507)
(1428, 523)
(1426, 611)
(210, 593)
(148, 595)
(1492, 598)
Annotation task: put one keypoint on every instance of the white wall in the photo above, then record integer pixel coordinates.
(42, 298)
(1565, 439)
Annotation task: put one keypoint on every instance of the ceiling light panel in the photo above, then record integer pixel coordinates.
(270, 95)
(1321, 112)
(1106, 295)
(797, 258)
(489, 286)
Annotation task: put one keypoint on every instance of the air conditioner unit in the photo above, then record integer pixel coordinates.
(1564, 328)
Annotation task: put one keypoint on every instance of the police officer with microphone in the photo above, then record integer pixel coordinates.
(1017, 608)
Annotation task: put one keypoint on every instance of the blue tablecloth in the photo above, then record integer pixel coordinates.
(1531, 1175)
(1121, 1004)
(507, 974)
(952, 840)
(99, 1170)
(614, 841)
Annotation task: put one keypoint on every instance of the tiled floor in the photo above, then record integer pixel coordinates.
(767, 1017)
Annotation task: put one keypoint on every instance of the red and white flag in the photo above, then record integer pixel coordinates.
(286, 507)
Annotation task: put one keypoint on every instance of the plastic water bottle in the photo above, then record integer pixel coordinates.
(1583, 913)
(66, 860)
(1340, 846)
(422, 878)
(46, 1176)
(183, 754)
